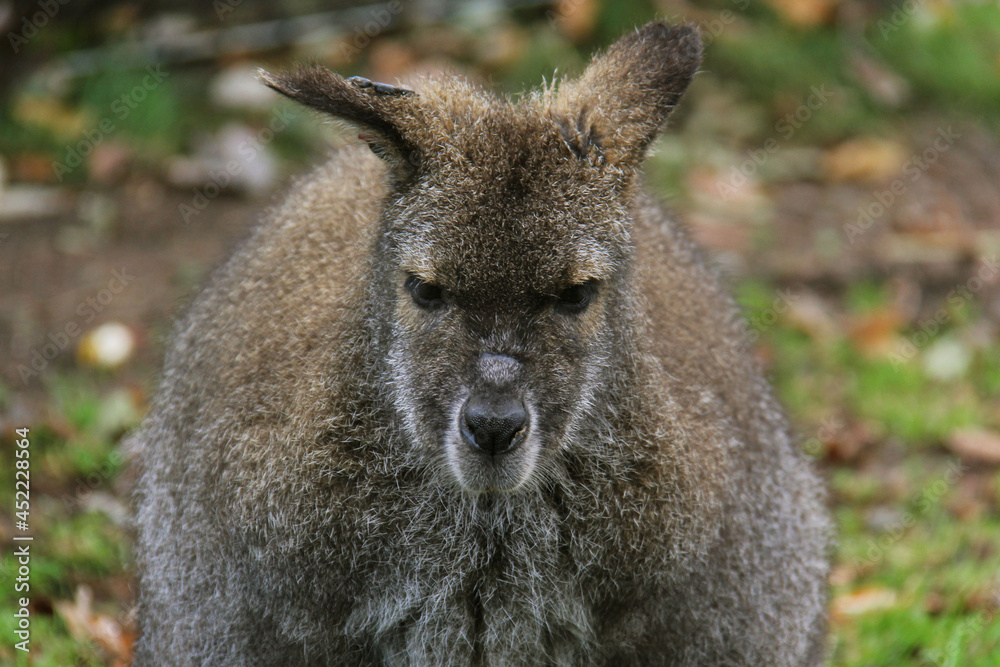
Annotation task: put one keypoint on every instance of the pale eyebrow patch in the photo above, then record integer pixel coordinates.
(592, 263)
(419, 265)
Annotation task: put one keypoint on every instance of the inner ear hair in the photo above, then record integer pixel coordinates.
(617, 107)
(379, 111)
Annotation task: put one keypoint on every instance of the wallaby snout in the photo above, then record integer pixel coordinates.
(496, 443)
(494, 419)
(494, 422)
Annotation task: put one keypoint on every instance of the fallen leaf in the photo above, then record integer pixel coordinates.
(966, 510)
(986, 600)
(867, 159)
(32, 168)
(862, 601)
(62, 120)
(875, 334)
(976, 444)
(576, 18)
(86, 625)
(842, 575)
(805, 13)
(846, 444)
(810, 314)
(934, 603)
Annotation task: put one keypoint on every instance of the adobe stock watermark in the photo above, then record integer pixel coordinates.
(929, 498)
(968, 628)
(901, 13)
(120, 108)
(87, 311)
(948, 656)
(882, 200)
(32, 23)
(928, 328)
(785, 127)
(248, 150)
(712, 28)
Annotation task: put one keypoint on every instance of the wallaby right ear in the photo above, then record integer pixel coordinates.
(621, 102)
(377, 109)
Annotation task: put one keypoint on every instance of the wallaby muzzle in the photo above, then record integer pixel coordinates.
(493, 423)
(494, 419)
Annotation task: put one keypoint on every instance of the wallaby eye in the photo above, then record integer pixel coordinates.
(576, 298)
(426, 295)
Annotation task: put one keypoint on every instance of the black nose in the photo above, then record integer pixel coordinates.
(493, 426)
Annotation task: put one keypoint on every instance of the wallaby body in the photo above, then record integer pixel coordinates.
(479, 401)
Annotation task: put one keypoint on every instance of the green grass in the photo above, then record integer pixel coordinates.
(74, 457)
(942, 565)
(933, 562)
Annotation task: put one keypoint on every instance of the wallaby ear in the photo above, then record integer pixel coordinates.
(621, 102)
(380, 111)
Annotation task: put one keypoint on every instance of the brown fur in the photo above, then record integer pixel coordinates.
(305, 498)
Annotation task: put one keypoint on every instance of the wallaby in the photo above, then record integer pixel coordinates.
(469, 397)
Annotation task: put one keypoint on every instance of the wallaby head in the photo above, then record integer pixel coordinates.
(500, 276)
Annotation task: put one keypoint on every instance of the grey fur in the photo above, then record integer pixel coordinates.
(304, 497)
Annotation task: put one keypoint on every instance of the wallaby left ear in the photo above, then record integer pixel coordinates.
(383, 114)
(618, 106)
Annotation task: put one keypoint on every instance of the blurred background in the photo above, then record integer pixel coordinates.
(840, 158)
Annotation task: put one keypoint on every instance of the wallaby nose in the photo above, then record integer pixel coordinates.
(493, 426)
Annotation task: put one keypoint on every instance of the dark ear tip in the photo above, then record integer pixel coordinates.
(683, 38)
(292, 82)
(268, 79)
(285, 82)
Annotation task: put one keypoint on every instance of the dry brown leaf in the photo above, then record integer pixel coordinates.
(805, 13)
(32, 168)
(867, 159)
(576, 18)
(875, 333)
(935, 603)
(976, 444)
(51, 114)
(861, 601)
(810, 314)
(87, 626)
(847, 443)
(982, 600)
(842, 575)
(967, 510)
